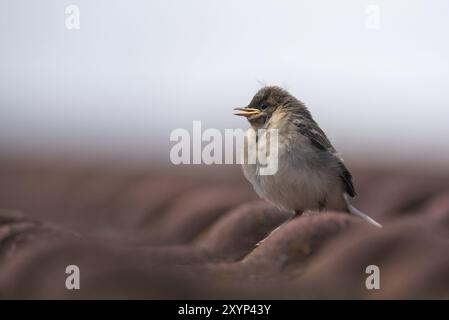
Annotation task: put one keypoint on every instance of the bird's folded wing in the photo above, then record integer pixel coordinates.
(308, 128)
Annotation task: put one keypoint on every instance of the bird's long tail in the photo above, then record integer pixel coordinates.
(353, 210)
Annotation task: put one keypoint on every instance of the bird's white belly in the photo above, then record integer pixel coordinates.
(289, 190)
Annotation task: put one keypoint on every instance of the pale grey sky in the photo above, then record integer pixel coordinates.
(138, 69)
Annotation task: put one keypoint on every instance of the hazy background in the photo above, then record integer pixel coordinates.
(138, 69)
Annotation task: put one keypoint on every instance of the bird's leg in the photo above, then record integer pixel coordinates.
(296, 214)
(322, 204)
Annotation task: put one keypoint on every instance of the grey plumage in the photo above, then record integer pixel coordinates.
(311, 175)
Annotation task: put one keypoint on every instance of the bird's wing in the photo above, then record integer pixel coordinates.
(310, 129)
(315, 135)
(346, 177)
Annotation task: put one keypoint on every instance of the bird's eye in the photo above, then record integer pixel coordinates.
(263, 106)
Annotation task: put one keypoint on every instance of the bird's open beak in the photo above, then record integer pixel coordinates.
(246, 112)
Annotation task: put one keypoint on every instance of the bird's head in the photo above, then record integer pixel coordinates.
(266, 102)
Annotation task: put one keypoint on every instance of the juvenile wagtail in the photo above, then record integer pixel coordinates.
(311, 175)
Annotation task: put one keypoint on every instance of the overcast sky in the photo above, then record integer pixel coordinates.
(138, 69)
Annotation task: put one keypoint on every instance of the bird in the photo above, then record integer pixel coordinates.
(311, 175)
